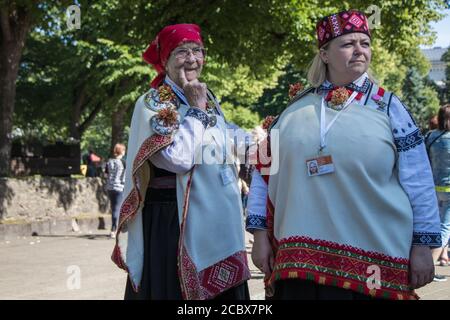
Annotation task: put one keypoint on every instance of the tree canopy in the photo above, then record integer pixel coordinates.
(70, 79)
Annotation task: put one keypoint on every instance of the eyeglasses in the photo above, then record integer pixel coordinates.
(183, 53)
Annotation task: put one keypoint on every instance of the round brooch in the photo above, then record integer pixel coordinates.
(212, 120)
(267, 122)
(162, 98)
(166, 121)
(338, 97)
(294, 89)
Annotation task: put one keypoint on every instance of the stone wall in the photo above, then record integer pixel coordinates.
(31, 199)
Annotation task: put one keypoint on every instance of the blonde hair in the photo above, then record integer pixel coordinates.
(317, 72)
(119, 149)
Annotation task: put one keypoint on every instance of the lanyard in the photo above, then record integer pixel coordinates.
(324, 130)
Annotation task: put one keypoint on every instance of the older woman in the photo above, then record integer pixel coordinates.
(363, 224)
(180, 233)
(438, 144)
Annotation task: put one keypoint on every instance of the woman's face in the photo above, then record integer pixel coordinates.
(189, 56)
(347, 56)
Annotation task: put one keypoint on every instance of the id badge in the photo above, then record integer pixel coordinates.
(227, 175)
(319, 165)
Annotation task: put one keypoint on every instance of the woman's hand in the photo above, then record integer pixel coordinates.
(262, 254)
(421, 267)
(194, 91)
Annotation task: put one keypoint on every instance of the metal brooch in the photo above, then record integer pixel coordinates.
(153, 102)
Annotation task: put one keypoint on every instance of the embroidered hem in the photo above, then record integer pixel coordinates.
(132, 202)
(333, 264)
(215, 279)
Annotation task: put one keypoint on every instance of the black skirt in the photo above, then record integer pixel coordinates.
(297, 289)
(161, 234)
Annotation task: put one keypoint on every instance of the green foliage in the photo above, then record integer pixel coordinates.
(241, 116)
(256, 48)
(421, 99)
(97, 136)
(275, 100)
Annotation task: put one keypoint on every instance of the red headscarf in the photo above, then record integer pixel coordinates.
(168, 39)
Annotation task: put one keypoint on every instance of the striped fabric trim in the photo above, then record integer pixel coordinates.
(427, 238)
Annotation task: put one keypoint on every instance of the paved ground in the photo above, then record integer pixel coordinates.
(78, 266)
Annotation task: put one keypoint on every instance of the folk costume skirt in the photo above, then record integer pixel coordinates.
(297, 289)
(160, 279)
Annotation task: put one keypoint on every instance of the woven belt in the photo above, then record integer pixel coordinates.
(163, 182)
(442, 189)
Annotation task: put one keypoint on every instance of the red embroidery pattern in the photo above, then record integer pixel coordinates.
(341, 23)
(215, 279)
(186, 268)
(224, 275)
(190, 284)
(148, 148)
(330, 263)
(132, 202)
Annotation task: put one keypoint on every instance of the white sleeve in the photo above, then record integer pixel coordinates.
(257, 203)
(415, 175)
(178, 157)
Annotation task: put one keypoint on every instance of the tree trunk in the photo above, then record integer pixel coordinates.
(15, 24)
(77, 109)
(117, 127)
(87, 122)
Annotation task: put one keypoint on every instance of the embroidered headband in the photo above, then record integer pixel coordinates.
(341, 23)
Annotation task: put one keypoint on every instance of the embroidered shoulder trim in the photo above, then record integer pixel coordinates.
(362, 88)
(377, 98)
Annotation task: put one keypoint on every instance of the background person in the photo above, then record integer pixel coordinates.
(115, 170)
(438, 144)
